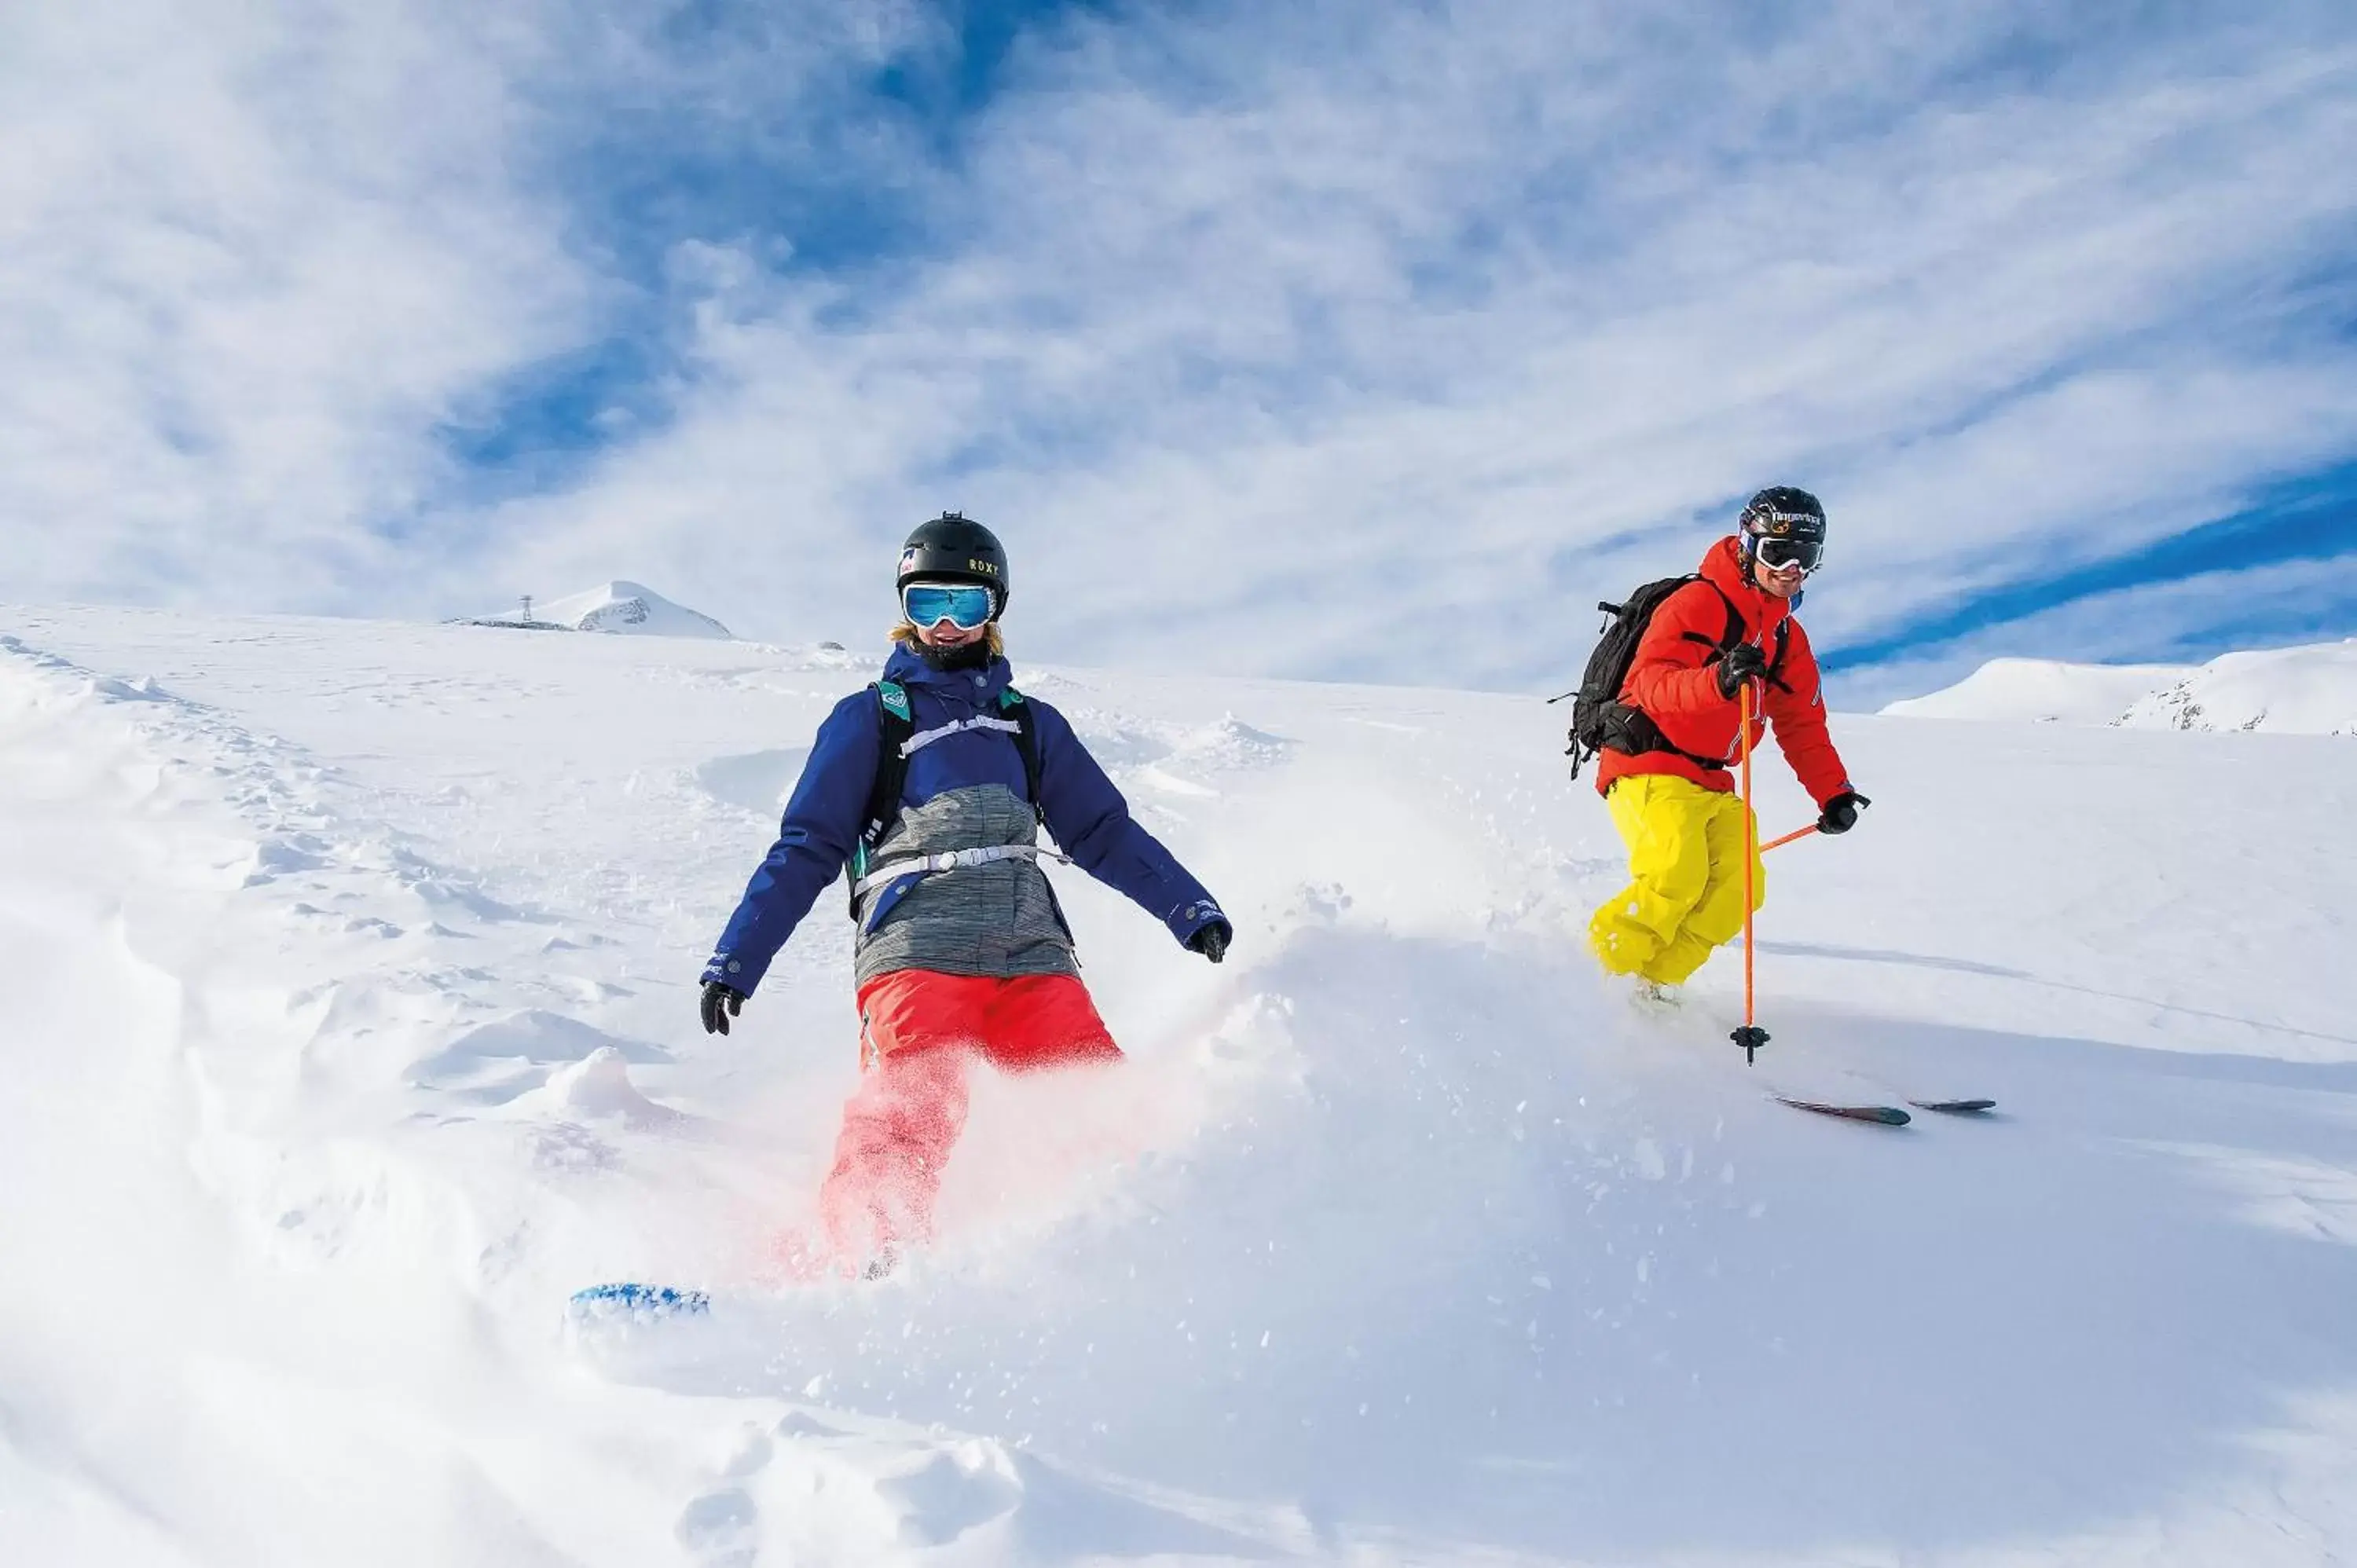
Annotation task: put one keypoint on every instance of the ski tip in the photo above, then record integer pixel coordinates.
(1956, 1107)
(1883, 1115)
(627, 1298)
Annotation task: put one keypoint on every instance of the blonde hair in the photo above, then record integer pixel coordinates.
(906, 635)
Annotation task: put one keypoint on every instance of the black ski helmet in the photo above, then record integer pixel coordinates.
(1782, 511)
(954, 548)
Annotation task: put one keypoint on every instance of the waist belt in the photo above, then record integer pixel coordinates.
(950, 860)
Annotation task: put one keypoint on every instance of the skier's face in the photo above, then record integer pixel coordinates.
(1778, 585)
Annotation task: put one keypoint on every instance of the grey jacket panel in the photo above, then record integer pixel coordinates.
(999, 919)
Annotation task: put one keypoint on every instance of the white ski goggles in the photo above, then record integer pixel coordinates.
(1781, 554)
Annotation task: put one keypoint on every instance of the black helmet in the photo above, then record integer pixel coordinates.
(954, 548)
(1792, 517)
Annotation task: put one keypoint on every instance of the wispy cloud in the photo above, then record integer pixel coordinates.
(247, 255)
(1379, 340)
(2259, 606)
(2311, 523)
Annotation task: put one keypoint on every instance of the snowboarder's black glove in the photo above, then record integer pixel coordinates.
(717, 997)
(1840, 814)
(1212, 940)
(1742, 662)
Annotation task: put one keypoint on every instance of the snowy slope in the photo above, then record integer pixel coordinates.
(2294, 691)
(350, 976)
(2044, 690)
(2291, 690)
(630, 607)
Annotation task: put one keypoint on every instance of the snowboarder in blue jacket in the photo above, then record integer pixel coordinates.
(932, 785)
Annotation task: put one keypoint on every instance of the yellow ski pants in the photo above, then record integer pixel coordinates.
(1686, 865)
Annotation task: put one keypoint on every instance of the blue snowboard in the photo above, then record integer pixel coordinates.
(638, 1302)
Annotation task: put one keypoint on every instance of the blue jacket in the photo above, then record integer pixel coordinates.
(1084, 812)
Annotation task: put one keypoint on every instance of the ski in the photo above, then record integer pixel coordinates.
(1883, 1115)
(1834, 1097)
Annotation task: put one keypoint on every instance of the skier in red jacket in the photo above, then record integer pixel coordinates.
(1674, 801)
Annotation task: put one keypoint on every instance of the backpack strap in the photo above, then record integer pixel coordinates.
(896, 724)
(1027, 742)
(895, 728)
(1774, 672)
(1727, 640)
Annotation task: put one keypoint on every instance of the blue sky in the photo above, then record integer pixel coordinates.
(1327, 340)
(2311, 520)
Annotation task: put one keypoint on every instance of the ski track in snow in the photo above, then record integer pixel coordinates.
(351, 974)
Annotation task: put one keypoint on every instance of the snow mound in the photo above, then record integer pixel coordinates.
(2310, 690)
(756, 781)
(1232, 743)
(629, 607)
(598, 1086)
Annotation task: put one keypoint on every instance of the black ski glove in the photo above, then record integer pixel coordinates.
(1840, 814)
(1212, 940)
(1743, 661)
(716, 998)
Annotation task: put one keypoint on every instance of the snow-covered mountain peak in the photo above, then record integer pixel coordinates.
(626, 606)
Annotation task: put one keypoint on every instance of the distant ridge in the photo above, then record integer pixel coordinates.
(2044, 690)
(2310, 690)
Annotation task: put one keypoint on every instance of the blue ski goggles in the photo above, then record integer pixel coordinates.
(965, 605)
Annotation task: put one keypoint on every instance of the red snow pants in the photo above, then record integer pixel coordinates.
(918, 1031)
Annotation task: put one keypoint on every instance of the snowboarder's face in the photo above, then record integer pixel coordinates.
(949, 634)
(948, 615)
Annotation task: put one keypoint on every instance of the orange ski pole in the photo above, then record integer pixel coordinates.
(1788, 838)
(1751, 1037)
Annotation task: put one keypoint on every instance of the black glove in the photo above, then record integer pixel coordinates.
(1742, 662)
(1840, 814)
(1212, 940)
(715, 997)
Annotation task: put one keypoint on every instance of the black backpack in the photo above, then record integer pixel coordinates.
(897, 727)
(1600, 721)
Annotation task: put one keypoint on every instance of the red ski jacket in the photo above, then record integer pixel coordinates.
(1673, 680)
